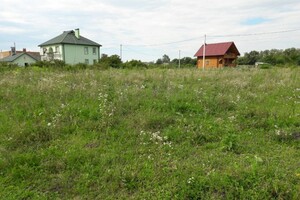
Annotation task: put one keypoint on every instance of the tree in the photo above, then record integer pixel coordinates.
(113, 61)
(166, 59)
(159, 61)
(134, 64)
(252, 57)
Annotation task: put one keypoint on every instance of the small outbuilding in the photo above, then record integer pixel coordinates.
(217, 55)
(23, 59)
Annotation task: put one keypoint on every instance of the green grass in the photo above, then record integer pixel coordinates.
(150, 134)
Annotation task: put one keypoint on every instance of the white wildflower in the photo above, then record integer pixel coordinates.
(191, 180)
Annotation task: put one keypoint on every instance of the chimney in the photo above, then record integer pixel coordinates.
(24, 50)
(77, 33)
(13, 51)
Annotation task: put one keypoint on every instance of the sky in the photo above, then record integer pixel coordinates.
(148, 29)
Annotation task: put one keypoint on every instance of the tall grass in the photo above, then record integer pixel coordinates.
(150, 134)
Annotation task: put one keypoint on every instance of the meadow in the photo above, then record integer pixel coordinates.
(150, 134)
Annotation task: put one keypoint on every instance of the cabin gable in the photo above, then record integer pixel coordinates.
(217, 55)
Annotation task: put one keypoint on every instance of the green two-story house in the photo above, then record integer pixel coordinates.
(72, 48)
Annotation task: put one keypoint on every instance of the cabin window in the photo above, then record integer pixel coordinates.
(220, 61)
(86, 50)
(94, 50)
(207, 62)
(86, 61)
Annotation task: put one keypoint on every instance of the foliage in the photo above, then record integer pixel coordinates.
(289, 56)
(159, 61)
(165, 59)
(7, 66)
(149, 134)
(113, 61)
(185, 62)
(134, 64)
(52, 64)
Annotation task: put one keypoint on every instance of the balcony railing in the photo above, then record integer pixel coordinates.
(49, 57)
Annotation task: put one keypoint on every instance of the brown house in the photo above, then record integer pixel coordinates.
(217, 55)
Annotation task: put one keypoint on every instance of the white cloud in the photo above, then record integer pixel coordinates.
(128, 22)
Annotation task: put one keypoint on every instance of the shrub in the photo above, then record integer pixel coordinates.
(134, 64)
(113, 61)
(54, 63)
(6, 65)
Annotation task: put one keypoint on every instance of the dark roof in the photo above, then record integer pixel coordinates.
(68, 37)
(217, 49)
(35, 55)
(16, 56)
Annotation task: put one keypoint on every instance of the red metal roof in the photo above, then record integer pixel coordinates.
(217, 49)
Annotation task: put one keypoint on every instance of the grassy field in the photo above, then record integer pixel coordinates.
(150, 134)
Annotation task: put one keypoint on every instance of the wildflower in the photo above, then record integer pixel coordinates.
(49, 124)
(231, 118)
(190, 180)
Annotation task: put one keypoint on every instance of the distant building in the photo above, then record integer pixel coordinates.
(218, 55)
(72, 48)
(21, 58)
(34, 54)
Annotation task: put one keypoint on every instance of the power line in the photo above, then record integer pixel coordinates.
(251, 34)
(162, 44)
(215, 36)
(133, 47)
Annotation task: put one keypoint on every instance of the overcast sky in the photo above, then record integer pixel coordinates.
(147, 29)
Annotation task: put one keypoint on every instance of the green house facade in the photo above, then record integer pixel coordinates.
(72, 48)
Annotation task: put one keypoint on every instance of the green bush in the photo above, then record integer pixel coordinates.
(52, 64)
(134, 64)
(113, 61)
(7, 66)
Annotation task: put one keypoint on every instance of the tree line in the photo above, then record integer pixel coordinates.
(290, 56)
(114, 61)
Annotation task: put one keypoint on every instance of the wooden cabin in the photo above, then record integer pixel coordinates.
(218, 55)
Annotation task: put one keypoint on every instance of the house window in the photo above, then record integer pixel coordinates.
(207, 62)
(94, 50)
(44, 51)
(95, 61)
(86, 61)
(57, 49)
(86, 50)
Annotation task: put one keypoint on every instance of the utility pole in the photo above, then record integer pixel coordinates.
(203, 66)
(179, 59)
(121, 51)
